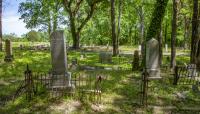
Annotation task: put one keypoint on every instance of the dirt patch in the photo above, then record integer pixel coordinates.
(65, 107)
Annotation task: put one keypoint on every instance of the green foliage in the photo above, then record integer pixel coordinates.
(33, 36)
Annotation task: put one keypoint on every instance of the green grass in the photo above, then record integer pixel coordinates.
(120, 88)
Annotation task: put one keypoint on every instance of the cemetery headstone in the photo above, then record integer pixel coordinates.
(139, 47)
(192, 70)
(59, 59)
(152, 58)
(135, 63)
(8, 50)
(105, 57)
(74, 64)
(166, 48)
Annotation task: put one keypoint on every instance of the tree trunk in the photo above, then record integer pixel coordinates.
(194, 38)
(49, 28)
(198, 43)
(119, 22)
(187, 33)
(55, 16)
(157, 18)
(141, 24)
(160, 46)
(75, 35)
(114, 38)
(173, 35)
(1, 45)
(136, 35)
(166, 32)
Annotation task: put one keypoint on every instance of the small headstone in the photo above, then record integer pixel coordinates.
(105, 57)
(81, 57)
(152, 58)
(21, 47)
(139, 47)
(59, 59)
(135, 63)
(74, 64)
(166, 47)
(8, 50)
(192, 70)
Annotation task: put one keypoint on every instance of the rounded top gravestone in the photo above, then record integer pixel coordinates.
(152, 58)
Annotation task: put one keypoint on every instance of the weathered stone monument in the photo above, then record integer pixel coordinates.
(152, 58)
(59, 60)
(8, 50)
(135, 63)
(105, 57)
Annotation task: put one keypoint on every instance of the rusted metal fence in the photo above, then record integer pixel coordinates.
(186, 75)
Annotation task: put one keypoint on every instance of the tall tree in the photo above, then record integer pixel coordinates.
(194, 39)
(160, 41)
(42, 14)
(1, 45)
(113, 25)
(157, 18)
(119, 22)
(173, 35)
(155, 24)
(77, 17)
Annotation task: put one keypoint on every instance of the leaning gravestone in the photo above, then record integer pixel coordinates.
(59, 60)
(152, 58)
(8, 49)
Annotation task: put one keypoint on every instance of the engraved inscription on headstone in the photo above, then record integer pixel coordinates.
(58, 52)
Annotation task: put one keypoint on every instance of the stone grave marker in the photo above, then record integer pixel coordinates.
(8, 50)
(74, 64)
(105, 57)
(59, 60)
(166, 47)
(135, 63)
(192, 70)
(152, 58)
(139, 47)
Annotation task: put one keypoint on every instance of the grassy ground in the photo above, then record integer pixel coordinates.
(120, 89)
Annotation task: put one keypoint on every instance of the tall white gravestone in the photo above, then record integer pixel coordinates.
(152, 58)
(59, 59)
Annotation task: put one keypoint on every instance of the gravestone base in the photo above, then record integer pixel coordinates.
(61, 80)
(154, 73)
(61, 85)
(8, 58)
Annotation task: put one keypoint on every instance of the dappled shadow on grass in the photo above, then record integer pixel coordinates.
(22, 106)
